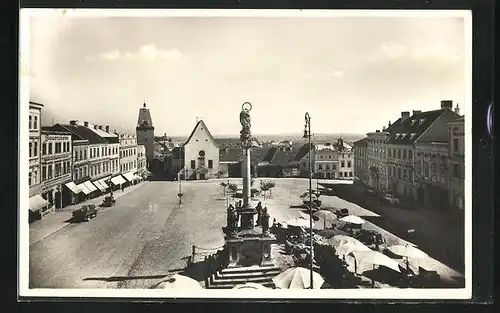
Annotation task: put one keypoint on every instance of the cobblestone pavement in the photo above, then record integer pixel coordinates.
(148, 235)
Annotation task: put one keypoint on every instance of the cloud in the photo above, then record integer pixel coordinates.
(393, 50)
(146, 52)
(335, 74)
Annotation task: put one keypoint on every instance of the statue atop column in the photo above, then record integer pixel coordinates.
(246, 133)
(265, 221)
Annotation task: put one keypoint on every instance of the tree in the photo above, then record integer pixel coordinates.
(232, 187)
(267, 186)
(224, 185)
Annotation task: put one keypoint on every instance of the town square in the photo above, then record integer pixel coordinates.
(254, 162)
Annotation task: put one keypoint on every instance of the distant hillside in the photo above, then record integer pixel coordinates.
(323, 138)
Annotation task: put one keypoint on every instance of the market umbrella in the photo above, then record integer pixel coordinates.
(298, 278)
(368, 259)
(178, 282)
(250, 286)
(408, 252)
(326, 216)
(346, 244)
(353, 219)
(299, 222)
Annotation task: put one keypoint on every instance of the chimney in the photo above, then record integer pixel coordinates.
(100, 127)
(457, 109)
(383, 128)
(377, 131)
(404, 115)
(107, 128)
(95, 127)
(72, 122)
(390, 124)
(446, 104)
(415, 112)
(86, 124)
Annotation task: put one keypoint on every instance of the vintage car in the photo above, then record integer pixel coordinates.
(342, 213)
(370, 237)
(85, 213)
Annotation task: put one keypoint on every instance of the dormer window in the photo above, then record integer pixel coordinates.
(413, 122)
(422, 120)
(413, 135)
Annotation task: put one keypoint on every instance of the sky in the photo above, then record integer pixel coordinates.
(352, 74)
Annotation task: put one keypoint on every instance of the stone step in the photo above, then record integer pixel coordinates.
(239, 280)
(251, 269)
(248, 274)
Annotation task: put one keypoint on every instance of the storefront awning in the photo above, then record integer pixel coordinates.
(37, 202)
(118, 180)
(90, 186)
(98, 185)
(103, 183)
(129, 176)
(84, 188)
(73, 187)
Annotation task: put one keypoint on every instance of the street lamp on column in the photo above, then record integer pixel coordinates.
(307, 135)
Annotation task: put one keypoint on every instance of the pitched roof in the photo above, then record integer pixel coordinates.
(200, 123)
(82, 132)
(144, 119)
(409, 130)
(270, 154)
(363, 141)
(283, 157)
(257, 154)
(304, 150)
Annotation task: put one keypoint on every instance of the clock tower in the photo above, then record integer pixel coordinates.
(146, 132)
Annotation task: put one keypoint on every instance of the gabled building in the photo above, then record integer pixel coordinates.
(376, 158)
(198, 158)
(407, 133)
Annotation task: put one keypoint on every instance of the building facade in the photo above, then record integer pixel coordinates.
(456, 157)
(405, 134)
(141, 160)
(109, 152)
(35, 113)
(346, 161)
(56, 164)
(360, 160)
(431, 174)
(199, 157)
(145, 133)
(376, 156)
(326, 161)
(128, 153)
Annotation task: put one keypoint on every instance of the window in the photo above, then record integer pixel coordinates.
(426, 169)
(31, 123)
(334, 167)
(341, 174)
(394, 172)
(342, 163)
(348, 163)
(49, 172)
(58, 147)
(327, 167)
(44, 148)
(399, 173)
(193, 164)
(44, 172)
(456, 171)
(210, 164)
(405, 173)
(404, 154)
(29, 180)
(97, 150)
(350, 174)
(399, 153)
(410, 154)
(64, 168)
(329, 156)
(81, 173)
(35, 124)
(35, 177)
(84, 154)
(57, 169)
(320, 167)
(31, 149)
(455, 144)
(50, 148)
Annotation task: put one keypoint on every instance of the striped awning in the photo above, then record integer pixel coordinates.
(103, 182)
(118, 180)
(129, 176)
(90, 186)
(99, 185)
(73, 187)
(84, 188)
(37, 202)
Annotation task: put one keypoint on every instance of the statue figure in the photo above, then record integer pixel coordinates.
(234, 222)
(230, 211)
(265, 221)
(259, 213)
(245, 119)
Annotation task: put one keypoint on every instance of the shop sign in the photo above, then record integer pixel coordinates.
(56, 138)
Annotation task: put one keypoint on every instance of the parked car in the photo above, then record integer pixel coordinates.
(85, 213)
(342, 213)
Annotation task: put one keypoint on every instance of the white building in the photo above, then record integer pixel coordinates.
(199, 156)
(35, 113)
(141, 159)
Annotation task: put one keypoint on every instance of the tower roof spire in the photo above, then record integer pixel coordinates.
(144, 104)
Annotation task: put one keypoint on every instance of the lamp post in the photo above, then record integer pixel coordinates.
(180, 186)
(307, 134)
